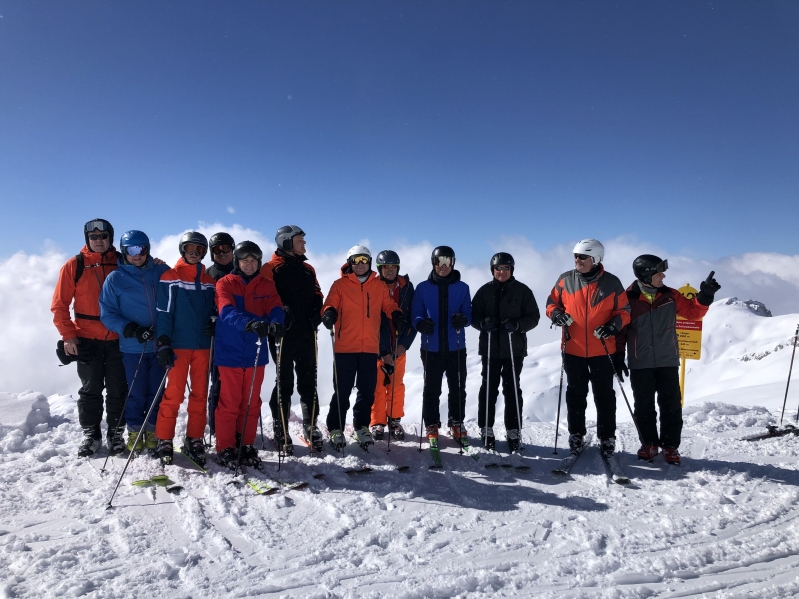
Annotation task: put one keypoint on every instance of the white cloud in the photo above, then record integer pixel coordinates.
(231, 210)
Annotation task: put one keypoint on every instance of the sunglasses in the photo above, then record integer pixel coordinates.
(360, 259)
(136, 250)
(582, 256)
(192, 248)
(98, 236)
(221, 249)
(502, 268)
(444, 261)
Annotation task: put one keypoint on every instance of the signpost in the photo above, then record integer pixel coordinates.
(689, 336)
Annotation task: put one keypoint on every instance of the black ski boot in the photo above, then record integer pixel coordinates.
(314, 437)
(514, 441)
(277, 429)
(92, 439)
(194, 450)
(575, 443)
(116, 440)
(397, 432)
(249, 456)
(228, 457)
(487, 437)
(164, 451)
(607, 447)
(378, 432)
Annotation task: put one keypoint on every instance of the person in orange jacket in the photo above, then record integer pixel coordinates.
(88, 341)
(354, 306)
(186, 303)
(591, 306)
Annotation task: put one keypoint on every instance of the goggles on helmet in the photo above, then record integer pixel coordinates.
(662, 266)
(100, 225)
(193, 248)
(443, 261)
(135, 250)
(359, 259)
(255, 257)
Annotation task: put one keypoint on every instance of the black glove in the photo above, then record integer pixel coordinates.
(561, 319)
(459, 321)
(277, 330)
(288, 318)
(707, 290)
(511, 326)
(605, 331)
(426, 326)
(398, 320)
(210, 328)
(490, 325)
(329, 318)
(387, 368)
(142, 334)
(619, 365)
(259, 327)
(315, 319)
(165, 355)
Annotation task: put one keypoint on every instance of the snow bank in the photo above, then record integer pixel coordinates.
(22, 415)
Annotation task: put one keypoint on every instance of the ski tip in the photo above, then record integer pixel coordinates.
(403, 468)
(436, 467)
(560, 472)
(522, 468)
(319, 475)
(174, 490)
(505, 466)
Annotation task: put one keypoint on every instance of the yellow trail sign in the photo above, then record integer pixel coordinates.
(689, 336)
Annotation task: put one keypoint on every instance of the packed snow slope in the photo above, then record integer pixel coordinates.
(724, 524)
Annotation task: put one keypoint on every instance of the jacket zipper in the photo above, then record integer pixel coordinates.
(586, 321)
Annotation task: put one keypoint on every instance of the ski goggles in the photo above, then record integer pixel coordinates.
(443, 261)
(136, 250)
(98, 236)
(193, 248)
(100, 225)
(255, 257)
(221, 249)
(502, 267)
(360, 259)
(660, 267)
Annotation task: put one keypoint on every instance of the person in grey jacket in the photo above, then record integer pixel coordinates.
(503, 310)
(654, 354)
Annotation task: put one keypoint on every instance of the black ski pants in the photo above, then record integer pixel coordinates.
(500, 369)
(436, 365)
(350, 367)
(599, 372)
(298, 354)
(665, 382)
(104, 371)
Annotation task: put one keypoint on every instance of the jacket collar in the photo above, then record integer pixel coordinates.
(451, 278)
(87, 253)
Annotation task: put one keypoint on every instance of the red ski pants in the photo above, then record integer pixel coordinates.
(189, 363)
(382, 404)
(232, 406)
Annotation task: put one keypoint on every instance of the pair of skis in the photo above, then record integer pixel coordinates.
(773, 431)
(612, 466)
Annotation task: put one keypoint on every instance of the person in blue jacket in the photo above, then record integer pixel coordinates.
(128, 307)
(441, 309)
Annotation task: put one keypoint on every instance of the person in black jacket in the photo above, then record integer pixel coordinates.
(221, 245)
(302, 298)
(503, 310)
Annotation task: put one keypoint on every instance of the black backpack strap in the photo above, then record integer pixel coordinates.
(79, 269)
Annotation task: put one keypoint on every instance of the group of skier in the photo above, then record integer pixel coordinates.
(141, 331)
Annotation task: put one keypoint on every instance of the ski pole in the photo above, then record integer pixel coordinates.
(247, 411)
(335, 381)
(618, 378)
(515, 389)
(424, 388)
(282, 453)
(564, 338)
(261, 425)
(461, 400)
(124, 404)
(138, 436)
(788, 384)
(315, 391)
(487, 383)
(393, 381)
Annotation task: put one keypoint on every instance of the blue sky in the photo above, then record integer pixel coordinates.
(452, 122)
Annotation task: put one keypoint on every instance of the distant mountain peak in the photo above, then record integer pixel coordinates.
(753, 306)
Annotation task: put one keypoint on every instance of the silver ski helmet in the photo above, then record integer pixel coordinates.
(195, 238)
(285, 235)
(99, 224)
(590, 247)
(646, 265)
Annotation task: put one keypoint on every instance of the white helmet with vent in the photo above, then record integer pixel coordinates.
(591, 247)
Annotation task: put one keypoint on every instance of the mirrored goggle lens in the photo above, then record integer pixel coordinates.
(582, 256)
(97, 236)
(360, 259)
(136, 250)
(222, 249)
(444, 261)
(96, 224)
(502, 267)
(192, 248)
(255, 257)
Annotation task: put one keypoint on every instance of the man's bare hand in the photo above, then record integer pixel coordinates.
(71, 346)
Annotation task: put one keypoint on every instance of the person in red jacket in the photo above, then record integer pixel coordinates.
(249, 310)
(591, 306)
(354, 305)
(87, 340)
(654, 354)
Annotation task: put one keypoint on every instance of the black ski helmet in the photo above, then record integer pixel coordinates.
(101, 225)
(387, 258)
(221, 239)
(646, 265)
(285, 235)
(442, 251)
(193, 237)
(501, 259)
(244, 249)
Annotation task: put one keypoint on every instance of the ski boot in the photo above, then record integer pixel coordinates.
(164, 451)
(397, 432)
(363, 437)
(672, 455)
(282, 443)
(378, 432)
(249, 456)
(459, 433)
(228, 457)
(194, 450)
(487, 437)
(647, 452)
(132, 439)
(575, 443)
(91, 442)
(314, 437)
(150, 441)
(514, 440)
(337, 439)
(607, 447)
(116, 440)
(432, 433)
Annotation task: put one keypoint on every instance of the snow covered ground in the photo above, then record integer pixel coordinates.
(724, 524)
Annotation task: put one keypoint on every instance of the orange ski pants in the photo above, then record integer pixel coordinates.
(382, 404)
(232, 409)
(188, 362)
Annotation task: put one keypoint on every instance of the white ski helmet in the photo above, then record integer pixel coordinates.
(359, 250)
(590, 247)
